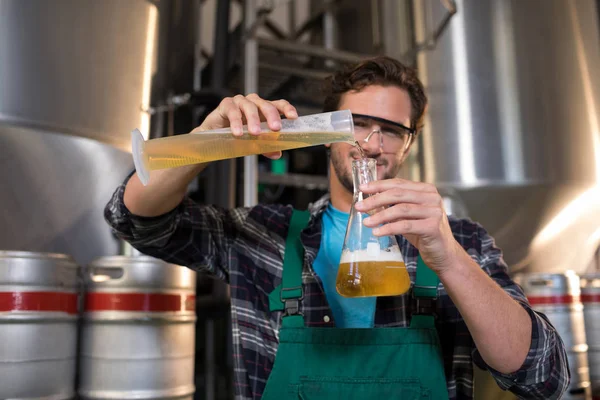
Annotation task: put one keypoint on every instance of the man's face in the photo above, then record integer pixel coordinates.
(390, 103)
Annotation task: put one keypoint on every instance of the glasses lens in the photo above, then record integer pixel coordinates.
(394, 137)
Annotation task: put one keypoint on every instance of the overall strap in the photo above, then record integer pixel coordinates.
(424, 296)
(288, 295)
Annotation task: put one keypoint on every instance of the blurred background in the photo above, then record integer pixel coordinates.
(511, 139)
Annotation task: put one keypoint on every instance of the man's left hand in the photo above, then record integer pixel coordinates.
(414, 210)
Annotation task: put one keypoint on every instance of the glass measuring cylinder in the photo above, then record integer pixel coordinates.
(370, 265)
(219, 144)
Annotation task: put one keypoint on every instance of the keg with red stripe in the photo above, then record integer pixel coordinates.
(38, 325)
(558, 297)
(590, 297)
(138, 334)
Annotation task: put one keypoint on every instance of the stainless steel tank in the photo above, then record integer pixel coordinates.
(76, 77)
(512, 123)
(77, 67)
(38, 325)
(590, 297)
(558, 297)
(53, 189)
(138, 332)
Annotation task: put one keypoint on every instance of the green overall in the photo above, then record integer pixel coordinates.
(335, 363)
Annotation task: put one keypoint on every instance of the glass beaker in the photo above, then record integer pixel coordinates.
(370, 265)
(219, 144)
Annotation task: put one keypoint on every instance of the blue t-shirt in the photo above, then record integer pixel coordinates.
(347, 312)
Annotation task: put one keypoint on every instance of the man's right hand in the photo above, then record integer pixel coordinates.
(168, 187)
(249, 110)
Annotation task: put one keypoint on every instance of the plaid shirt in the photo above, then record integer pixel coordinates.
(245, 247)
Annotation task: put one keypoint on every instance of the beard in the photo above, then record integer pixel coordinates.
(342, 165)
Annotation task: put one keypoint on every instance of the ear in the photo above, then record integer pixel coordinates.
(327, 145)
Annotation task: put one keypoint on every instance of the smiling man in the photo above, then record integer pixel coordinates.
(294, 335)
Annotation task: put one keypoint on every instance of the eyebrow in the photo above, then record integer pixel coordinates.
(384, 121)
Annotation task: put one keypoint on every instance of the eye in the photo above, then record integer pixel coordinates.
(397, 133)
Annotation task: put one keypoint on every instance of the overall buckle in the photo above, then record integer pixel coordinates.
(292, 305)
(424, 305)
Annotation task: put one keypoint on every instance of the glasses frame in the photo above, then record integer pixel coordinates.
(412, 132)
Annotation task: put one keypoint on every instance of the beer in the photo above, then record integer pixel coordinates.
(364, 274)
(220, 144)
(176, 151)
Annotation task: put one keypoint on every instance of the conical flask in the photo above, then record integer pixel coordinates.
(370, 265)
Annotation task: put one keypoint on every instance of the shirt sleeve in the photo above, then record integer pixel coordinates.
(545, 372)
(192, 235)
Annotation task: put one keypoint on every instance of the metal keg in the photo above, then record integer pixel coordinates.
(38, 325)
(138, 333)
(558, 297)
(590, 297)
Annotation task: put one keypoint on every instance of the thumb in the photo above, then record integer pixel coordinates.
(273, 156)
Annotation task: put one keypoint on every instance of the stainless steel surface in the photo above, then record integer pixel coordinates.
(590, 292)
(137, 354)
(558, 297)
(513, 123)
(397, 30)
(250, 86)
(38, 344)
(54, 189)
(142, 272)
(77, 67)
(30, 270)
(75, 76)
(495, 93)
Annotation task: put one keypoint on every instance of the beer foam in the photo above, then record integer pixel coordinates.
(372, 254)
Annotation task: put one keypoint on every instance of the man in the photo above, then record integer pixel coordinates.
(328, 346)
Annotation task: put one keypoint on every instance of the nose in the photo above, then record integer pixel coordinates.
(373, 143)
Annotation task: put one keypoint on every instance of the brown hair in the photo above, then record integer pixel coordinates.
(384, 71)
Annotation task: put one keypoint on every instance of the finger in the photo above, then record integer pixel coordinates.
(250, 111)
(268, 110)
(387, 184)
(397, 196)
(284, 107)
(402, 211)
(420, 227)
(273, 156)
(226, 114)
(234, 115)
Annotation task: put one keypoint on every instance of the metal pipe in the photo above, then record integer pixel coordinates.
(376, 24)
(309, 50)
(198, 54)
(330, 30)
(250, 86)
(219, 66)
(397, 27)
(209, 360)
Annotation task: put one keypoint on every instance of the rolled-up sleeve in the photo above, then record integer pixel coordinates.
(545, 372)
(193, 235)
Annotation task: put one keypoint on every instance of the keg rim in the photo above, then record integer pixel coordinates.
(91, 392)
(119, 260)
(34, 255)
